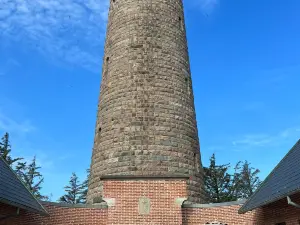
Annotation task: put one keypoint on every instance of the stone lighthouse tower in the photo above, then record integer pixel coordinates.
(146, 125)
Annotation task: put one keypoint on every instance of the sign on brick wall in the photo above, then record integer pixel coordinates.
(144, 206)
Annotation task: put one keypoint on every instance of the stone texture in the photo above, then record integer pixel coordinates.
(146, 123)
(144, 206)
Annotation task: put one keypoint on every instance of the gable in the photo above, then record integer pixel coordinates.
(283, 181)
(14, 193)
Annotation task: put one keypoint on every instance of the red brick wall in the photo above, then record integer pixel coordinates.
(6, 210)
(164, 210)
(58, 216)
(163, 193)
(280, 211)
(226, 215)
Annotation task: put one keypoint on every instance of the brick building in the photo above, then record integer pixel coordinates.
(279, 192)
(162, 202)
(146, 166)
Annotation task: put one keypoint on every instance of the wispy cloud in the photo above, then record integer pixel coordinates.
(43, 160)
(253, 140)
(274, 78)
(8, 124)
(8, 65)
(206, 6)
(266, 140)
(70, 30)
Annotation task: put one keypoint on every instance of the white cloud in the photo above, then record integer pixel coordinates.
(264, 140)
(42, 160)
(65, 29)
(68, 30)
(206, 6)
(8, 65)
(10, 125)
(253, 140)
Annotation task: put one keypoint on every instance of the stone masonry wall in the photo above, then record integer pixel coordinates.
(146, 123)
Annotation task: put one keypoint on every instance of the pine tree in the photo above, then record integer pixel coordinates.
(73, 191)
(235, 184)
(5, 150)
(85, 185)
(249, 180)
(221, 186)
(217, 181)
(32, 178)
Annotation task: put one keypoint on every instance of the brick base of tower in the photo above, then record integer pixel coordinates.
(165, 197)
(145, 200)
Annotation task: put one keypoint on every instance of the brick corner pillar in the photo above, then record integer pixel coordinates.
(145, 200)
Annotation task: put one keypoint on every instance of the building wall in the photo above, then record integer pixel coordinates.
(6, 210)
(225, 214)
(58, 216)
(280, 211)
(164, 210)
(123, 198)
(166, 197)
(146, 122)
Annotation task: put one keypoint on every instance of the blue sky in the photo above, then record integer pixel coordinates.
(245, 60)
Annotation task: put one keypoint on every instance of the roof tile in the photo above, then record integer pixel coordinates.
(13, 191)
(283, 181)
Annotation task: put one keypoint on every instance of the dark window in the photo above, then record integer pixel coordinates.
(197, 162)
(283, 223)
(181, 23)
(105, 73)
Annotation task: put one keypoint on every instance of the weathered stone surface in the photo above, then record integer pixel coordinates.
(146, 123)
(144, 206)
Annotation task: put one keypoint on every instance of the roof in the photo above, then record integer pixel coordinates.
(283, 181)
(213, 205)
(102, 205)
(13, 191)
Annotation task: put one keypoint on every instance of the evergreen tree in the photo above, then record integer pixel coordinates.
(221, 186)
(249, 180)
(73, 191)
(5, 150)
(217, 181)
(32, 178)
(85, 185)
